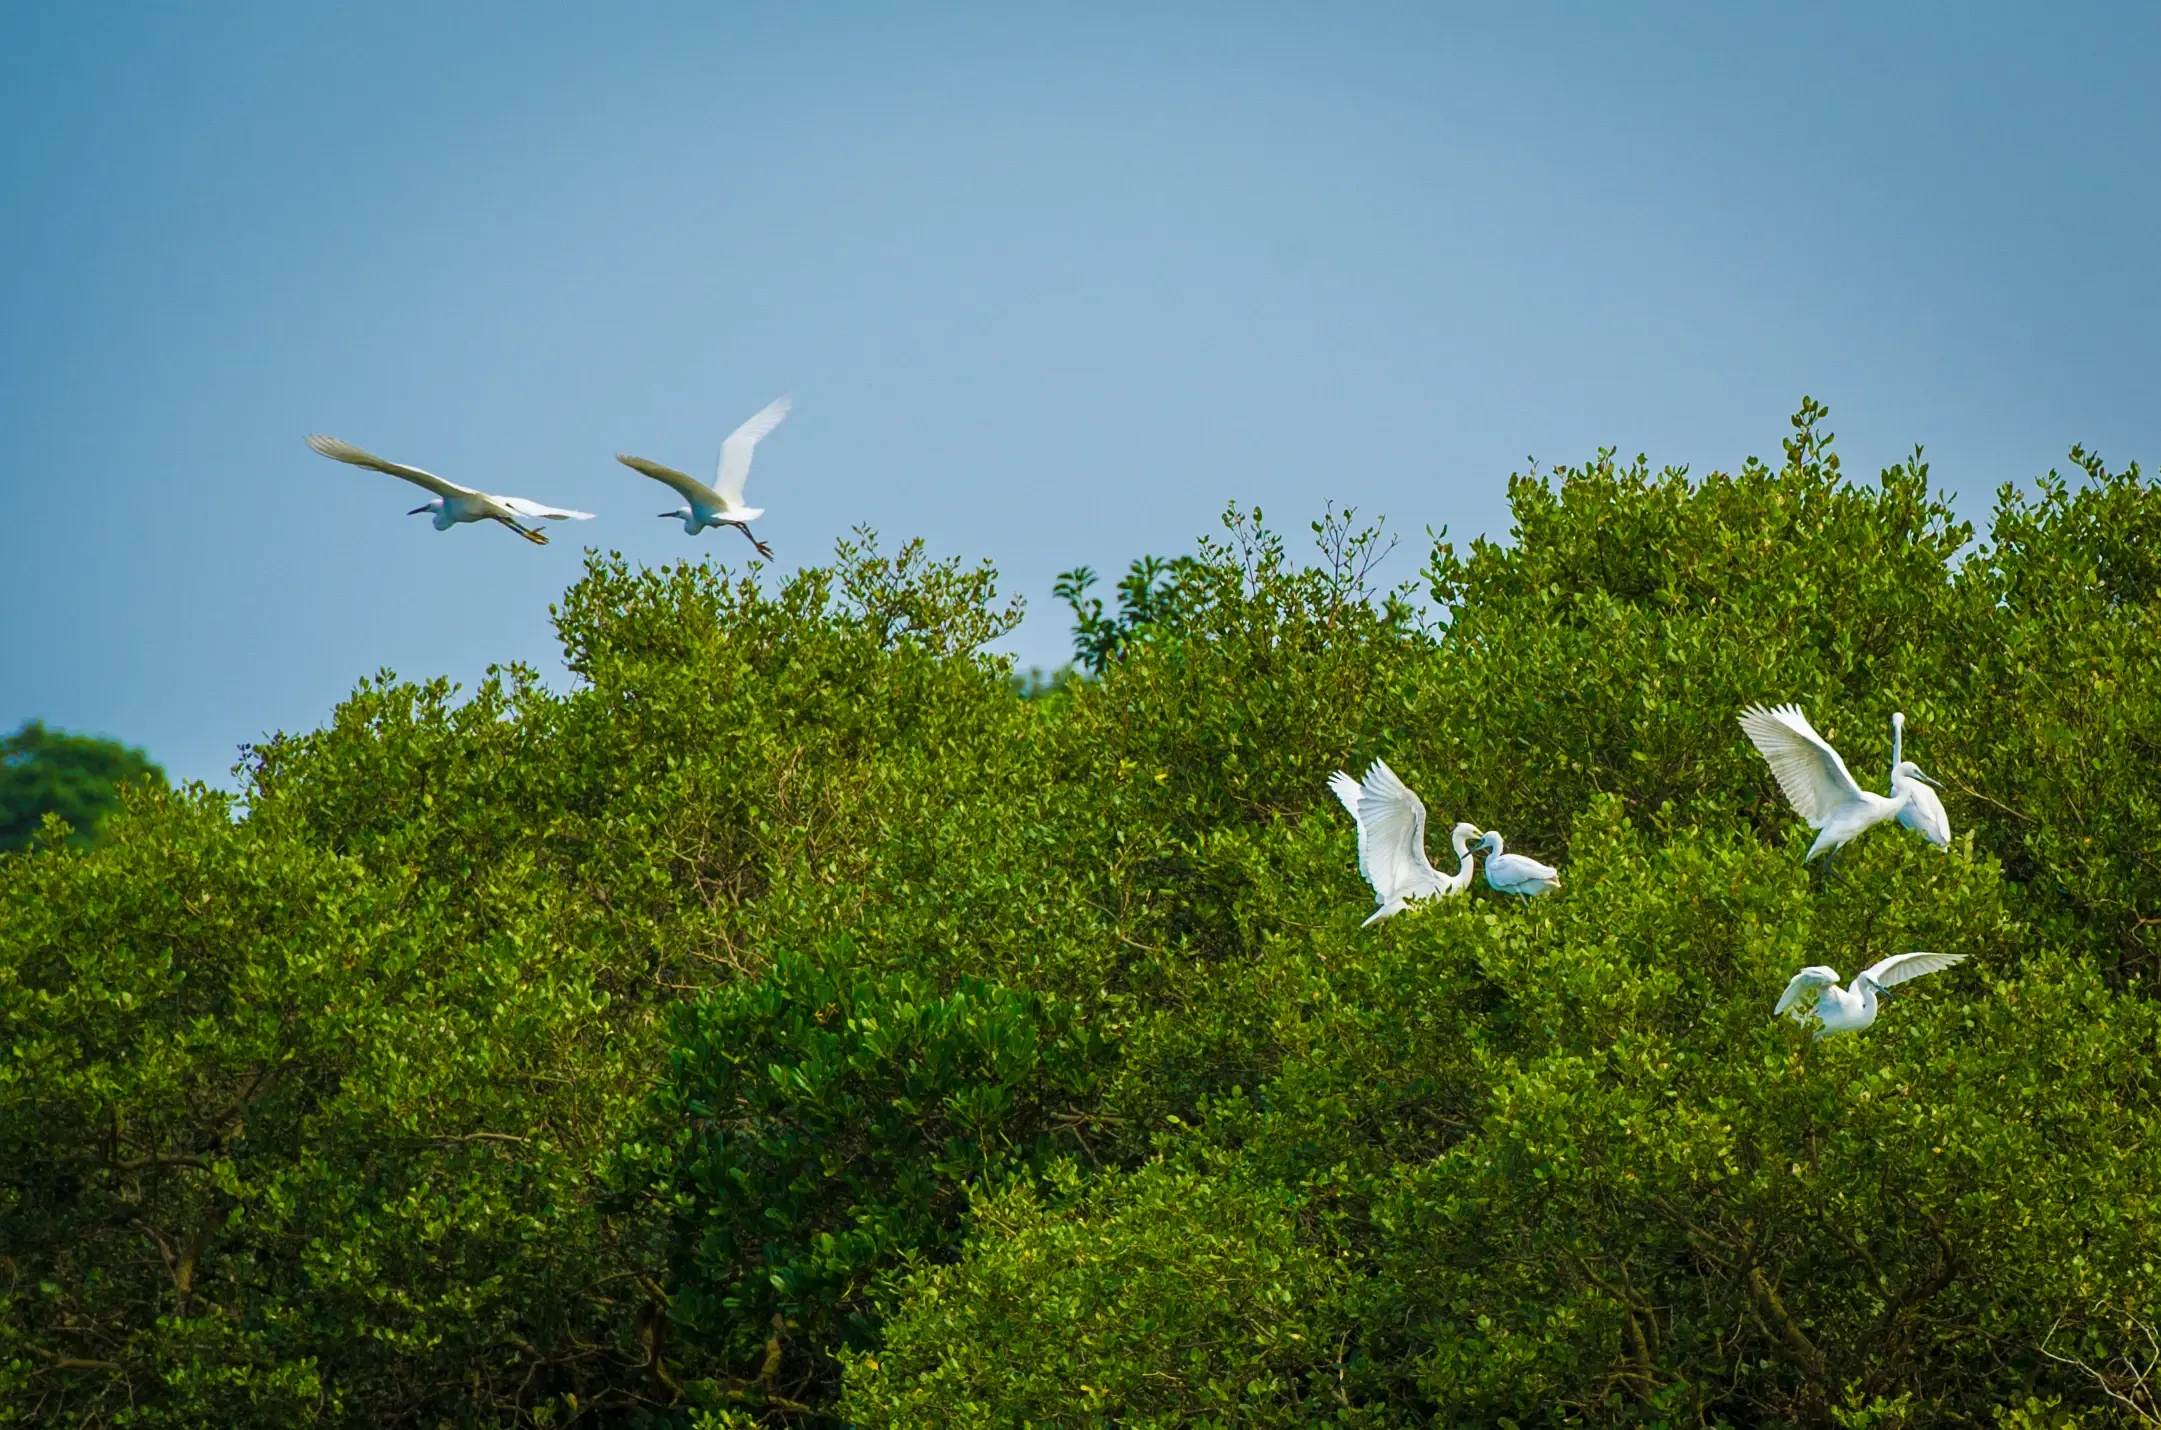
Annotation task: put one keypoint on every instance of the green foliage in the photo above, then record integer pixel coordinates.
(1609, 646)
(313, 1115)
(802, 1021)
(1147, 594)
(832, 1126)
(2061, 648)
(1153, 1299)
(1668, 1205)
(281, 1137)
(74, 777)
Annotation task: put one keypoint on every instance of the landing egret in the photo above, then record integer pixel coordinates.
(1516, 873)
(1816, 781)
(1849, 1010)
(453, 503)
(720, 504)
(1392, 841)
(1924, 811)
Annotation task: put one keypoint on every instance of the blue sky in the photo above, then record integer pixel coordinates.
(1049, 284)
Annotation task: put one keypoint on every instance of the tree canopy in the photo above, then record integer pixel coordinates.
(76, 777)
(801, 1021)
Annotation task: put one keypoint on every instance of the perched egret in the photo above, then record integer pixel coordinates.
(1392, 841)
(1849, 1010)
(1816, 781)
(720, 504)
(1923, 812)
(453, 503)
(1516, 873)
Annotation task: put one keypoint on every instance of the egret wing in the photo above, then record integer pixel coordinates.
(1346, 790)
(1902, 967)
(690, 488)
(1395, 823)
(735, 452)
(1815, 977)
(340, 451)
(1925, 816)
(549, 513)
(1811, 773)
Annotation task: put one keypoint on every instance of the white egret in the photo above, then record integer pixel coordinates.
(1516, 873)
(1849, 1010)
(1816, 781)
(453, 503)
(720, 504)
(1392, 841)
(1924, 811)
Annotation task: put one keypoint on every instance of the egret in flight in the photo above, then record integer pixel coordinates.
(1392, 841)
(1923, 812)
(1516, 873)
(453, 503)
(720, 504)
(1816, 781)
(1849, 1010)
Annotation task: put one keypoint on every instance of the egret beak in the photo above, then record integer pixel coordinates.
(666, 514)
(1924, 779)
(416, 511)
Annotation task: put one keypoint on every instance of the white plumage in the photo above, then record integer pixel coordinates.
(1516, 873)
(453, 503)
(1924, 812)
(1849, 1010)
(720, 504)
(1391, 823)
(1816, 780)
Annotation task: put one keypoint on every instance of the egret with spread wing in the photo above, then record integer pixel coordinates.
(1849, 1010)
(1816, 781)
(1392, 841)
(720, 504)
(453, 503)
(1516, 873)
(1924, 811)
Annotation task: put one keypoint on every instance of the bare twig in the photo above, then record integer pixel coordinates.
(159, 1159)
(1992, 800)
(2139, 1375)
(61, 1362)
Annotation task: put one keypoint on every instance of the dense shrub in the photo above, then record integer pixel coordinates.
(802, 1021)
(1152, 1299)
(832, 1126)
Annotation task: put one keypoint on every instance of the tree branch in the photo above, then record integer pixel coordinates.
(159, 1159)
(61, 1362)
(1792, 1341)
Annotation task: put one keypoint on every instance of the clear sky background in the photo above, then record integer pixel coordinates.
(1050, 283)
